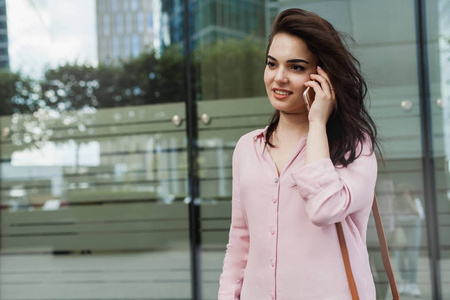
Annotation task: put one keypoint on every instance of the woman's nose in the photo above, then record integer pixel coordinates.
(281, 76)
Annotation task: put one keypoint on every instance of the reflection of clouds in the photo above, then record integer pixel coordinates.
(68, 153)
(49, 33)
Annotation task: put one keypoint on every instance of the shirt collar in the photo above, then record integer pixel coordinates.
(260, 133)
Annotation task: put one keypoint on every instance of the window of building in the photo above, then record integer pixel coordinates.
(119, 23)
(128, 23)
(134, 5)
(115, 5)
(106, 25)
(150, 21)
(126, 5)
(126, 47)
(140, 22)
(116, 47)
(136, 45)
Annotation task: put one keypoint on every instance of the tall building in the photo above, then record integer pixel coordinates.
(213, 20)
(124, 29)
(4, 57)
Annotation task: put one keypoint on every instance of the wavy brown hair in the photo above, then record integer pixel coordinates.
(350, 124)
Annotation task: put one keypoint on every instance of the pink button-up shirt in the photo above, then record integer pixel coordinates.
(283, 242)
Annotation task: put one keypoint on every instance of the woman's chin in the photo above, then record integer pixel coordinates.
(288, 109)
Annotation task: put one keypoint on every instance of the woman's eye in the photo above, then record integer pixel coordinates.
(298, 68)
(270, 64)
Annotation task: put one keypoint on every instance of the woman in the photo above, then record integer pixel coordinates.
(293, 180)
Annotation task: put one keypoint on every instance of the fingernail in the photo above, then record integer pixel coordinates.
(318, 67)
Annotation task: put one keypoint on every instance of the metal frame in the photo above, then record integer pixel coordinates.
(193, 179)
(428, 165)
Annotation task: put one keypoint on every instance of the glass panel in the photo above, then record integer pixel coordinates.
(228, 48)
(438, 46)
(386, 56)
(232, 101)
(93, 170)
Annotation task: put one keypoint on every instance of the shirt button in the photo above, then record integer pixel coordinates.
(272, 231)
(272, 296)
(276, 179)
(272, 264)
(274, 199)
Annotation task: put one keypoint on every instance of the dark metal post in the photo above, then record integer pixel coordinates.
(191, 130)
(427, 151)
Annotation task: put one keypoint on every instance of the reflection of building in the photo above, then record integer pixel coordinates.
(124, 29)
(217, 19)
(4, 58)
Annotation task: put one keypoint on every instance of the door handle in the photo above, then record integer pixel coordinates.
(206, 119)
(177, 120)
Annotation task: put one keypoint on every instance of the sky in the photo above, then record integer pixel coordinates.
(45, 33)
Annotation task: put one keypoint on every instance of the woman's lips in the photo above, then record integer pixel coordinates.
(281, 94)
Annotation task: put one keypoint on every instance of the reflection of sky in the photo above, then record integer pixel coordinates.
(65, 154)
(444, 50)
(45, 33)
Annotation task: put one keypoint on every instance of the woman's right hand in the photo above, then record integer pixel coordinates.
(325, 98)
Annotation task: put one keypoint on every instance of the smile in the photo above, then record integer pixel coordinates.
(281, 92)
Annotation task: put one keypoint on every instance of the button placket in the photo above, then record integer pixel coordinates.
(273, 228)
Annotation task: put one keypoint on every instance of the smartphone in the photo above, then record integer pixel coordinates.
(308, 96)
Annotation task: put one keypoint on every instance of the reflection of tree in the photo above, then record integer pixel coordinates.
(34, 130)
(226, 69)
(231, 69)
(19, 94)
(146, 79)
(67, 94)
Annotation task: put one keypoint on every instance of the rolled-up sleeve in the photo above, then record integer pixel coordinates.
(332, 193)
(238, 245)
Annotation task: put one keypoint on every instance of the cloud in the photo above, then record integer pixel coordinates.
(50, 32)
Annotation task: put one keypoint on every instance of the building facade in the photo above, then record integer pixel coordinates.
(125, 28)
(4, 57)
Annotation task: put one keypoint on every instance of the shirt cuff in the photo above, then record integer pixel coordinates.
(312, 178)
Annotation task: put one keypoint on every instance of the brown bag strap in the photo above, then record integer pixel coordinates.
(384, 249)
(348, 268)
(384, 254)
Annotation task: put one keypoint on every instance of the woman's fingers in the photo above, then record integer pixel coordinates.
(324, 80)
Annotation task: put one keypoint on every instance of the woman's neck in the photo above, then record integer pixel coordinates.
(293, 125)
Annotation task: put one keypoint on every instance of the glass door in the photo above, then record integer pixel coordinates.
(93, 151)
(230, 40)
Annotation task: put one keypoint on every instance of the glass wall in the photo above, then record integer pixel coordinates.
(387, 51)
(95, 128)
(437, 35)
(93, 153)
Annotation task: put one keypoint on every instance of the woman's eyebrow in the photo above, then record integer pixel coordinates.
(298, 61)
(295, 60)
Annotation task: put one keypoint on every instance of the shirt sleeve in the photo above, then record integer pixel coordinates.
(238, 245)
(332, 193)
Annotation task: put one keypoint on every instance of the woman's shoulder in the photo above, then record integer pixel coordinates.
(245, 142)
(251, 136)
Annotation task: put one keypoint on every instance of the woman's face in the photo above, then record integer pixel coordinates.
(289, 63)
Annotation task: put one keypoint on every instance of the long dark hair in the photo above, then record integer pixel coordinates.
(350, 124)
